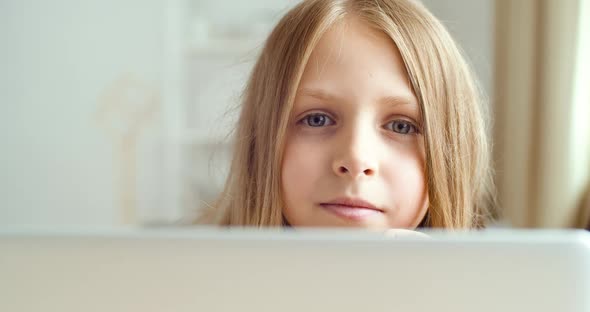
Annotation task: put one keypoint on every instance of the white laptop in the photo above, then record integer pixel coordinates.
(255, 270)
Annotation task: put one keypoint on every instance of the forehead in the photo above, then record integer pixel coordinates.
(354, 56)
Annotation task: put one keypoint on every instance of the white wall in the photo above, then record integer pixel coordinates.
(471, 22)
(57, 163)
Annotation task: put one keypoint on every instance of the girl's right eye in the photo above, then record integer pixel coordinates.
(317, 120)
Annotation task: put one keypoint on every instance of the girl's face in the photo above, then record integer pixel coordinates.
(354, 152)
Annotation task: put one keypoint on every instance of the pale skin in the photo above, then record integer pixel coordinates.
(354, 154)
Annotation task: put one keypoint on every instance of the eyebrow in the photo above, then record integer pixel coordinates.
(391, 100)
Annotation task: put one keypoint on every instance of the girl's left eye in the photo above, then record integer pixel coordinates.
(402, 127)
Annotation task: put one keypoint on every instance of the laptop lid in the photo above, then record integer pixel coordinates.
(256, 270)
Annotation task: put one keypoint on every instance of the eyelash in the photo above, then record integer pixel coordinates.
(413, 129)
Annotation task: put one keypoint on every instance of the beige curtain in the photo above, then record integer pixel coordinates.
(541, 111)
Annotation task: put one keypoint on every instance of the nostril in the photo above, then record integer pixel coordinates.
(343, 170)
(368, 172)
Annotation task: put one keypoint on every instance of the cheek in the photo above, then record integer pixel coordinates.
(407, 180)
(301, 168)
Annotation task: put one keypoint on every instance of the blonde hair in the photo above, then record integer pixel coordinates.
(458, 170)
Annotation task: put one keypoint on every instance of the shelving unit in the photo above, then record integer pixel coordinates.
(210, 47)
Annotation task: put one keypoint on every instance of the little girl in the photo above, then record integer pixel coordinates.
(359, 113)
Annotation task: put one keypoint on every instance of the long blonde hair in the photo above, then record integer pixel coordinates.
(458, 169)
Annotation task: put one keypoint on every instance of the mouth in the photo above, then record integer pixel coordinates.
(351, 208)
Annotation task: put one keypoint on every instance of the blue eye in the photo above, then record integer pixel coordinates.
(317, 120)
(402, 127)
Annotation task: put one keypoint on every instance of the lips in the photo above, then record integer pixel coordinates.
(351, 208)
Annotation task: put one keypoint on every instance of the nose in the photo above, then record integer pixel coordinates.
(356, 156)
